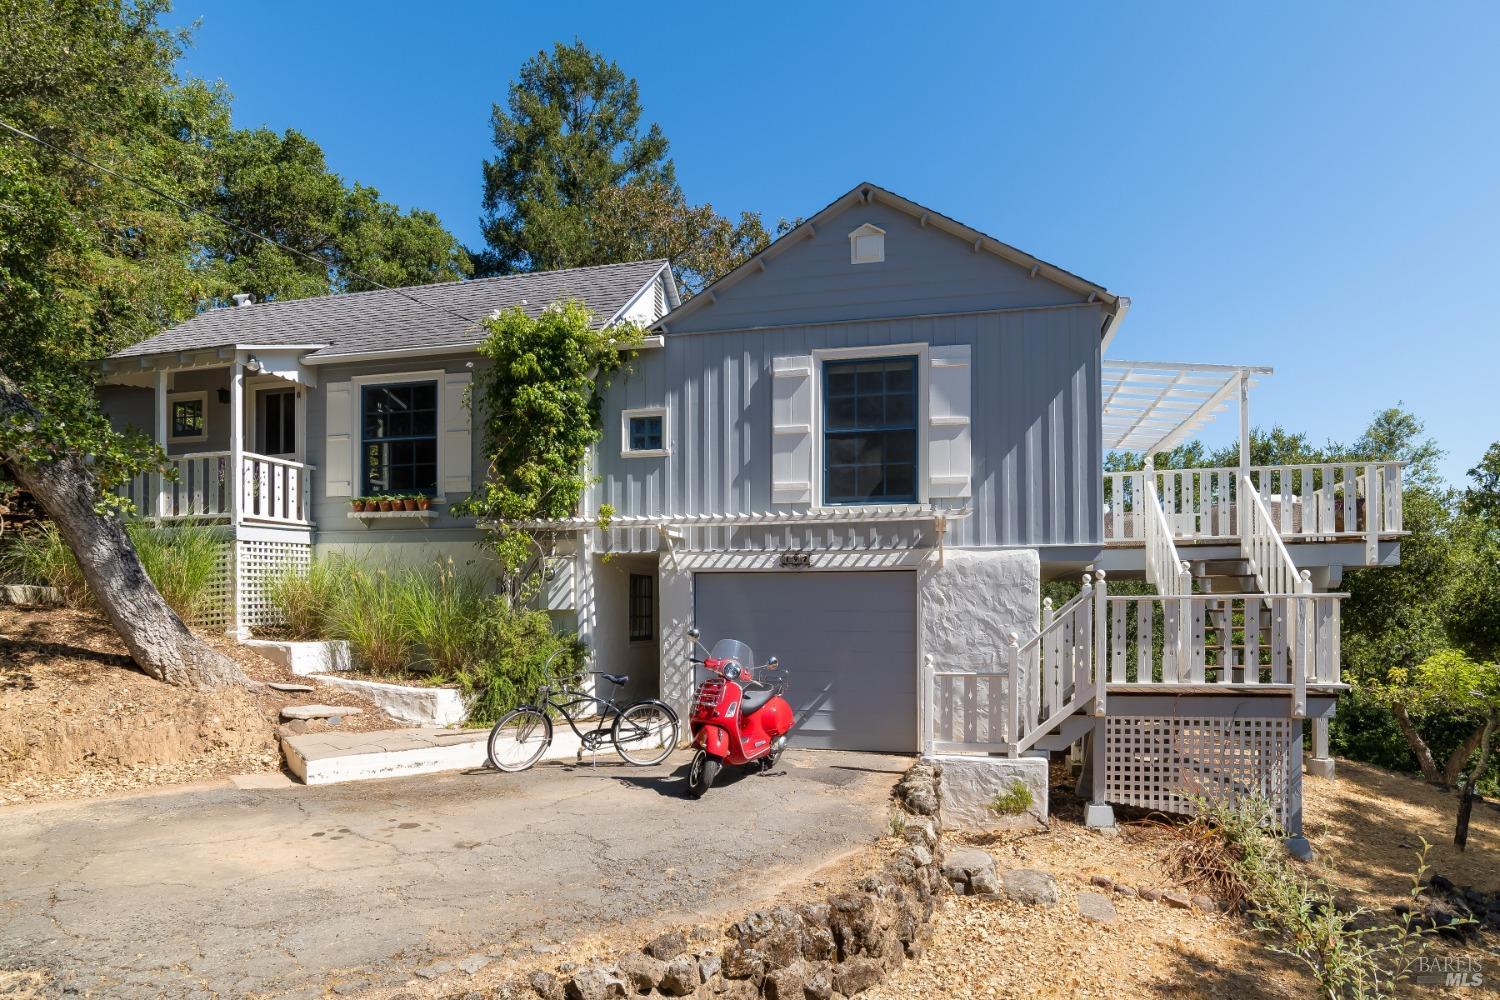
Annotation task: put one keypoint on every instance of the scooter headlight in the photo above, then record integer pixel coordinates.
(732, 671)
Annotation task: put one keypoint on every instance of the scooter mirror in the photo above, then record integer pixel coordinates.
(773, 663)
(692, 632)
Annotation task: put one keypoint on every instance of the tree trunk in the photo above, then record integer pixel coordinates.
(1466, 802)
(1454, 769)
(1418, 745)
(158, 641)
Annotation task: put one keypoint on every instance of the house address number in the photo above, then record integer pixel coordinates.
(796, 560)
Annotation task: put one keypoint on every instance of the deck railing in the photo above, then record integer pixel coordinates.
(269, 489)
(1323, 501)
(1261, 544)
(1097, 645)
(1165, 569)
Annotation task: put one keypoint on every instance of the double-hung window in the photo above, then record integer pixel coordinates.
(870, 431)
(399, 438)
(642, 607)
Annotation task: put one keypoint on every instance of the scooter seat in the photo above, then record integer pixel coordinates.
(754, 700)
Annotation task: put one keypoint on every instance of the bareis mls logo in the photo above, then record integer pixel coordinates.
(1449, 971)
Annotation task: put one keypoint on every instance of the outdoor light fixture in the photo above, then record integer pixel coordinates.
(252, 365)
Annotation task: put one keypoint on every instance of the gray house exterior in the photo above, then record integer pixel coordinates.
(863, 451)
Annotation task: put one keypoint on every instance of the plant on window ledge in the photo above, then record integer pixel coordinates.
(540, 400)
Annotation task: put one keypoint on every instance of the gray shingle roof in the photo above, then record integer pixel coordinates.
(358, 322)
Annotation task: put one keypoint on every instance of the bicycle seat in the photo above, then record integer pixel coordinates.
(618, 679)
(756, 699)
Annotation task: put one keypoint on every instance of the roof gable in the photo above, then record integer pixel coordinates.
(932, 265)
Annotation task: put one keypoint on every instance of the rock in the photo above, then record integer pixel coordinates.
(1096, 907)
(856, 976)
(334, 720)
(1102, 881)
(680, 977)
(294, 728)
(918, 789)
(317, 711)
(1033, 887)
(784, 984)
(294, 688)
(435, 969)
(1205, 903)
(1441, 883)
(641, 972)
(1177, 899)
(918, 855)
(546, 986)
(710, 964)
(473, 964)
(964, 865)
(819, 987)
(594, 983)
(1126, 890)
(545, 948)
(667, 946)
(1149, 894)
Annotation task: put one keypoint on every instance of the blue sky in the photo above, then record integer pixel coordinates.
(1308, 186)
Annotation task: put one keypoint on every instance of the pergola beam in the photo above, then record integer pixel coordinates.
(1150, 406)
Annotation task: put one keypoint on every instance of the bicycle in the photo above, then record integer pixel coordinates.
(644, 732)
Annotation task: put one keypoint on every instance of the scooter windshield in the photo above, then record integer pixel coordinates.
(734, 651)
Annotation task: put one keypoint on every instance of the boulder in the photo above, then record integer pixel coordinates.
(970, 870)
(1035, 888)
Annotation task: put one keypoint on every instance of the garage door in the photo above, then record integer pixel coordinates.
(848, 640)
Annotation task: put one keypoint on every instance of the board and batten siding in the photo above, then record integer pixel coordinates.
(1035, 432)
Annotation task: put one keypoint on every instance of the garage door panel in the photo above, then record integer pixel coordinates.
(847, 640)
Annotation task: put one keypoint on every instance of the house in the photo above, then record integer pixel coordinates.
(864, 451)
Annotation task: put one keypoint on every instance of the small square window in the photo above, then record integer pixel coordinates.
(642, 607)
(645, 432)
(867, 245)
(187, 417)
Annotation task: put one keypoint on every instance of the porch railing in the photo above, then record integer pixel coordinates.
(1330, 500)
(1097, 644)
(1165, 570)
(269, 489)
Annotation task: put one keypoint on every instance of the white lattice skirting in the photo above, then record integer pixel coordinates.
(257, 561)
(215, 611)
(1162, 762)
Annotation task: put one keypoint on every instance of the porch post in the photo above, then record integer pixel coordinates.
(1244, 424)
(234, 482)
(1320, 764)
(163, 496)
(1098, 814)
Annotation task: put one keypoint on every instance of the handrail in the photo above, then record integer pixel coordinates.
(273, 460)
(1165, 570)
(1261, 543)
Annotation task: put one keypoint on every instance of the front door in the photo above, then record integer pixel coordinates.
(276, 423)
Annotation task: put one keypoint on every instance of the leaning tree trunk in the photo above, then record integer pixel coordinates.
(158, 641)
(1418, 745)
(1466, 801)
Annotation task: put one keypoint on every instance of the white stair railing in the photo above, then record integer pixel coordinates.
(1261, 545)
(1165, 570)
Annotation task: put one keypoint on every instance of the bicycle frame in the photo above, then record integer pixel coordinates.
(548, 701)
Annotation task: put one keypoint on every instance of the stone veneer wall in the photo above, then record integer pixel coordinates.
(828, 950)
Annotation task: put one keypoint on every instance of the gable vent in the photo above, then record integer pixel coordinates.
(867, 245)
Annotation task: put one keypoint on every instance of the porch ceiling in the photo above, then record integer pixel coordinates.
(1149, 406)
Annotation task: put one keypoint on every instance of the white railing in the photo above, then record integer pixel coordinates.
(1330, 500)
(1138, 644)
(269, 489)
(1165, 570)
(1261, 544)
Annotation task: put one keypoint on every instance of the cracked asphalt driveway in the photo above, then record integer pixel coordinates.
(220, 891)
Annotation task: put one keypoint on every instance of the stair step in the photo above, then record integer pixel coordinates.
(1069, 732)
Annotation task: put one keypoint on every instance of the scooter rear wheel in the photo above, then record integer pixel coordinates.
(701, 774)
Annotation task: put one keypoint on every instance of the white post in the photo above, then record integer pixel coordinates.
(163, 428)
(233, 482)
(1320, 764)
(1013, 732)
(1101, 651)
(1244, 425)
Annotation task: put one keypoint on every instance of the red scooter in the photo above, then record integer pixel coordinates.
(737, 718)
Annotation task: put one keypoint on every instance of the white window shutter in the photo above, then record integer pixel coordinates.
(949, 463)
(456, 457)
(791, 429)
(338, 447)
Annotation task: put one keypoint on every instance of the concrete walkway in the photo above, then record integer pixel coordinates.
(284, 892)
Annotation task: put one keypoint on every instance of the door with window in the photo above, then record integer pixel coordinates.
(276, 423)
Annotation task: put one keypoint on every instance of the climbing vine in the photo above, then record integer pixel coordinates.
(540, 401)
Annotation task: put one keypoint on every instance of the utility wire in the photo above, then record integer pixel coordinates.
(221, 220)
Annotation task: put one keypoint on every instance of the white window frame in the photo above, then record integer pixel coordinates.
(357, 424)
(666, 432)
(867, 229)
(176, 397)
(819, 356)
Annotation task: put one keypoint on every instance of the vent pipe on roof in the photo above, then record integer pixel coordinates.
(243, 299)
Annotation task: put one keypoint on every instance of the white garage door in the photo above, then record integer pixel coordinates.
(848, 641)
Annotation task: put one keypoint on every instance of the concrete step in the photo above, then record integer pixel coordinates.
(327, 758)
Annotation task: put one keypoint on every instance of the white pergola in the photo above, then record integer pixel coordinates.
(1150, 406)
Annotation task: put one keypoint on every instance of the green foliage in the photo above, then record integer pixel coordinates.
(1446, 683)
(540, 400)
(1237, 850)
(443, 612)
(366, 614)
(1014, 801)
(182, 562)
(516, 645)
(305, 599)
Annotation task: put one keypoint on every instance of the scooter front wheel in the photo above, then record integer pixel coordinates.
(701, 773)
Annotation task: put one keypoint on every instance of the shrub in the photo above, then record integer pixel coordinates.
(1014, 801)
(366, 615)
(441, 611)
(515, 647)
(306, 599)
(182, 561)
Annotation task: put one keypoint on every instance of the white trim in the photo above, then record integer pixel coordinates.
(666, 432)
(825, 561)
(865, 232)
(257, 384)
(649, 286)
(824, 354)
(201, 396)
(357, 423)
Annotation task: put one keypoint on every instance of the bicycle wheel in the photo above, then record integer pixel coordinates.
(646, 732)
(519, 739)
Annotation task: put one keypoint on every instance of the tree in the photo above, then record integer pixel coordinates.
(571, 128)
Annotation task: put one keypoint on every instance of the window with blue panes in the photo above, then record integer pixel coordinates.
(399, 438)
(870, 431)
(646, 433)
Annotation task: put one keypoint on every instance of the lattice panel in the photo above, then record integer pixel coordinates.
(215, 613)
(257, 561)
(1162, 762)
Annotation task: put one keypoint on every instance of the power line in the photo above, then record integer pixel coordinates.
(221, 220)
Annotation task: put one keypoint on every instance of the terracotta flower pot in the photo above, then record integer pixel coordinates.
(424, 504)
(358, 505)
(385, 505)
(409, 504)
